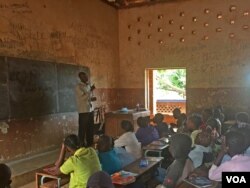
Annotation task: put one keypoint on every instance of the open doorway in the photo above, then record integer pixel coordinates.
(165, 91)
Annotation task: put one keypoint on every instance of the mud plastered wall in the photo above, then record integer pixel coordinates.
(209, 38)
(74, 32)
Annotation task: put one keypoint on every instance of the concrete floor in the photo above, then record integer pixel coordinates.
(30, 185)
(23, 170)
(33, 185)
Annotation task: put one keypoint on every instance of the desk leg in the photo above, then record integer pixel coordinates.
(37, 181)
(42, 180)
(59, 182)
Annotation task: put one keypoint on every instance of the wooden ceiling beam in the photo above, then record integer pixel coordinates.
(123, 4)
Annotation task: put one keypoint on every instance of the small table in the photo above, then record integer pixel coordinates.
(59, 180)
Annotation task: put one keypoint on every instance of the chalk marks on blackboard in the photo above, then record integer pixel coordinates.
(31, 88)
(67, 76)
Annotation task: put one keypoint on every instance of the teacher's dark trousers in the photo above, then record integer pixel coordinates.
(86, 128)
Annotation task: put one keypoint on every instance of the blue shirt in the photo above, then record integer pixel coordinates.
(125, 157)
(110, 161)
(147, 134)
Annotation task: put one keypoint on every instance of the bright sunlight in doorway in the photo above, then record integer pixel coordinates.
(165, 90)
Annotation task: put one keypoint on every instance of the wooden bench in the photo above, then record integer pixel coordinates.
(52, 183)
(47, 180)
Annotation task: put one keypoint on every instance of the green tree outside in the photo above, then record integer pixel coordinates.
(172, 80)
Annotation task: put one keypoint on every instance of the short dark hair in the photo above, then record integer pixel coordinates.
(217, 113)
(5, 175)
(105, 143)
(141, 122)
(158, 118)
(203, 138)
(246, 133)
(72, 141)
(127, 126)
(100, 179)
(177, 110)
(242, 117)
(214, 124)
(236, 143)
(196, 119)
(82, 73)
(181, 145)
(147, 119)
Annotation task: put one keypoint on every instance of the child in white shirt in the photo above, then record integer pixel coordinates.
(129, 140)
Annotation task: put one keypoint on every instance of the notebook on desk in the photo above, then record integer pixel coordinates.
(199, 182)
(123, 177)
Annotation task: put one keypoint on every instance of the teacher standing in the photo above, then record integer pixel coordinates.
(86, 118)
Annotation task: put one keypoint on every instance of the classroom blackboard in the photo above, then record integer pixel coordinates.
(4, 100)
(31, 88)
(67, 80)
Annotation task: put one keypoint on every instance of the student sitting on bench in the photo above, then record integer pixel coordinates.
(180, 146)
(146, 133)
(108, 157)
(163, 128)
(129, 140)
(202, 152)
(82, 163)
(234, 146)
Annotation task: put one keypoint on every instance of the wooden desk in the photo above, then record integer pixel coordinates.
(185, 184)
(165, 139)
(58, 180)
(144, 173)
(154, 147)
(113, 121)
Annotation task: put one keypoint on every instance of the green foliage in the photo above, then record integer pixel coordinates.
(172, 80)
(178, 78)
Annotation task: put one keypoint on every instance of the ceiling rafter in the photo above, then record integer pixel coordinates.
(121, 4)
